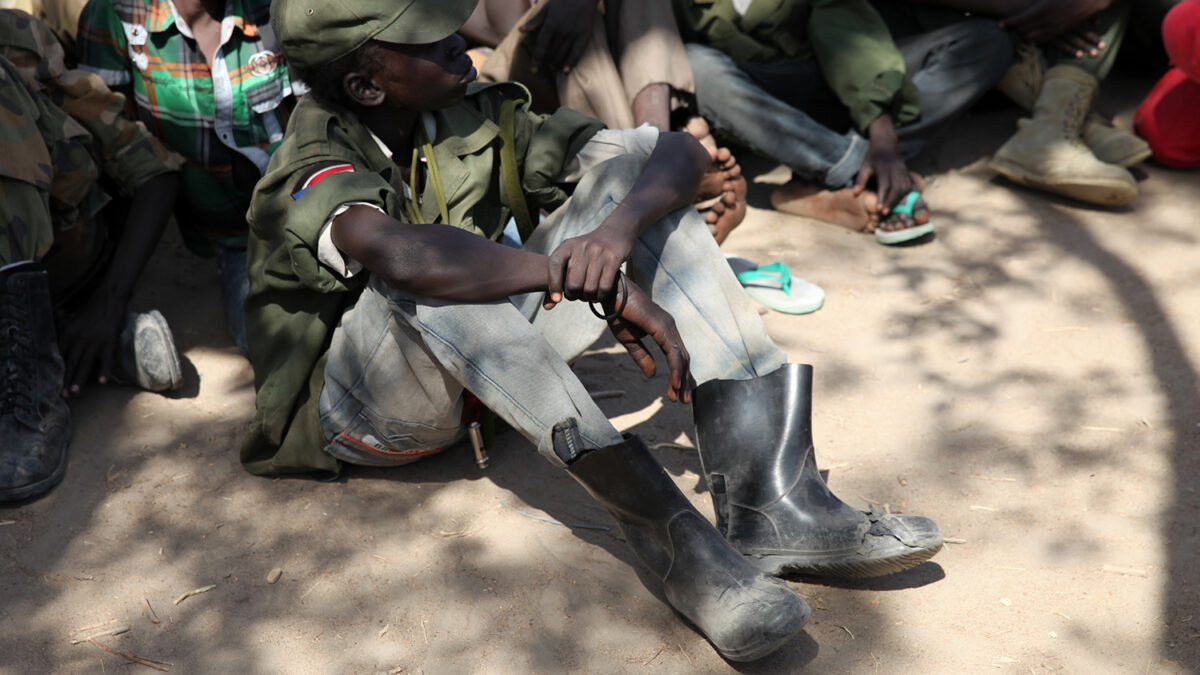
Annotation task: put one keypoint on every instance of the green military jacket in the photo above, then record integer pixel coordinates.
(295, 301)
(848, 39)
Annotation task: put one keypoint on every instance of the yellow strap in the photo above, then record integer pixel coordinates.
(508, 170)
(435, 180)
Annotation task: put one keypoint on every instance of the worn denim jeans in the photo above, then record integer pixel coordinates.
(787, 112)
(398, 364)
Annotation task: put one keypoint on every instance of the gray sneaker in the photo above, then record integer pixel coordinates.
(147, 356)
(35, 423)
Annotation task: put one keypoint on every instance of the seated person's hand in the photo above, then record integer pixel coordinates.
(1079, 43)
(883, 163)
(1045, 20)
(640, 317)
(585, 267)
(563, 29)
(89, 339)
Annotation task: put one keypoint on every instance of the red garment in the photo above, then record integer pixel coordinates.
(1181, 36)
(1169, 121)
(1169, 118)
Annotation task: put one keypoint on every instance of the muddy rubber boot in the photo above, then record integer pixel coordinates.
(35, 423)
(743, 613)
(147, 355)
(1047, 152)
(1022, 83)
(755, 443)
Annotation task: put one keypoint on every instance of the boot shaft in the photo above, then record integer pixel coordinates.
(31, 368)
(1066, 97)
(755, 443)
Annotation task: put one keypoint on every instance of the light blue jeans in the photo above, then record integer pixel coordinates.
(398, 364)
(787, 112)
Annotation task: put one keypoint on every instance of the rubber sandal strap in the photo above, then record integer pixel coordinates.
(905, 207)
(775, 272)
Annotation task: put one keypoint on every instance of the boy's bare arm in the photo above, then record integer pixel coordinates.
(586, 266)
(439, 261)
(90, 336)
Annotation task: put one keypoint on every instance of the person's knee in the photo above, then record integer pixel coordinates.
(612, 178)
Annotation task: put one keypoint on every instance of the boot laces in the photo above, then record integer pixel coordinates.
(16, 361)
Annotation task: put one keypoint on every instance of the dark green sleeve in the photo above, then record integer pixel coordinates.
(548, 144)
(861, 63)
(771, 31)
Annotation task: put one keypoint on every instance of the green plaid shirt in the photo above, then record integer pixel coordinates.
(226, 119)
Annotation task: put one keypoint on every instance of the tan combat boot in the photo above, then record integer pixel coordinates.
(1047, 152)
(1022, 83)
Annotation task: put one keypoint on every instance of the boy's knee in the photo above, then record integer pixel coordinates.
(612, 178)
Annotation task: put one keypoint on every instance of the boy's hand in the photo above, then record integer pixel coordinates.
(89, 341)
(642, 317)
(585, 267)
(1045, 20)
(564, 28)
(884, 163)
(1079, 43)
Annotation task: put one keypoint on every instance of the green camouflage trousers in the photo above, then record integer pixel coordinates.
(61, 130)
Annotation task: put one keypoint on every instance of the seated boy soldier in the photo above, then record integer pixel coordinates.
(84, 196)
(379, 296)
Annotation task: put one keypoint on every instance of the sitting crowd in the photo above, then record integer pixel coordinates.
(421, 207)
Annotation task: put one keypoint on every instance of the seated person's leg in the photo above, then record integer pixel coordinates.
(1048, 152)
(747, 398)
(739, 106)
(398, 365)
(952, 67)
(677, 263)
(34, 418)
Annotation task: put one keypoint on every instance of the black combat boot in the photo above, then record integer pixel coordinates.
(756, 449)
(743, 613)
(35, 424)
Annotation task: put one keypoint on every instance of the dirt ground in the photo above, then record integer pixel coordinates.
(1028, 378)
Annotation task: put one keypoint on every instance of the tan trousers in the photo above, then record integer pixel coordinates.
(647, 50)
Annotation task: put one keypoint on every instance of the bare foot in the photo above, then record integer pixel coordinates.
(733, 203)
(700, 129)
(725, 182)
(893, 221)
(839, 207)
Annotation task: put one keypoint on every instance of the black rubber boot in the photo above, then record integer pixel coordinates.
(755, 443)
(743, 613)
(35, 423)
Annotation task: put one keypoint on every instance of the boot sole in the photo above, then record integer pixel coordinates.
(1128, 160)
(1104, 193)
(848, 567)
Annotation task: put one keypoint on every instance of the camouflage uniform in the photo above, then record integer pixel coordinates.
(61, 129)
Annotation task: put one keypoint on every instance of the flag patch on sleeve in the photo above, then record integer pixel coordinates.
(319, 175)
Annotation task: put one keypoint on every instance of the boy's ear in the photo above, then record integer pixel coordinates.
(362, 90)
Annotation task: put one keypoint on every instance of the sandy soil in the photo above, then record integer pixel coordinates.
(1028, 378)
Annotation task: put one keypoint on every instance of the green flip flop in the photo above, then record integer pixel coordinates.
(904, 208)
(774, 286)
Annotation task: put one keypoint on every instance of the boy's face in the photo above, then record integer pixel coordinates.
(425, 77)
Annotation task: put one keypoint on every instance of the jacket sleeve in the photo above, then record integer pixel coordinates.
(861, 62)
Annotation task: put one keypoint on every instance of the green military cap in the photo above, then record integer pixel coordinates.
(317, 32)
